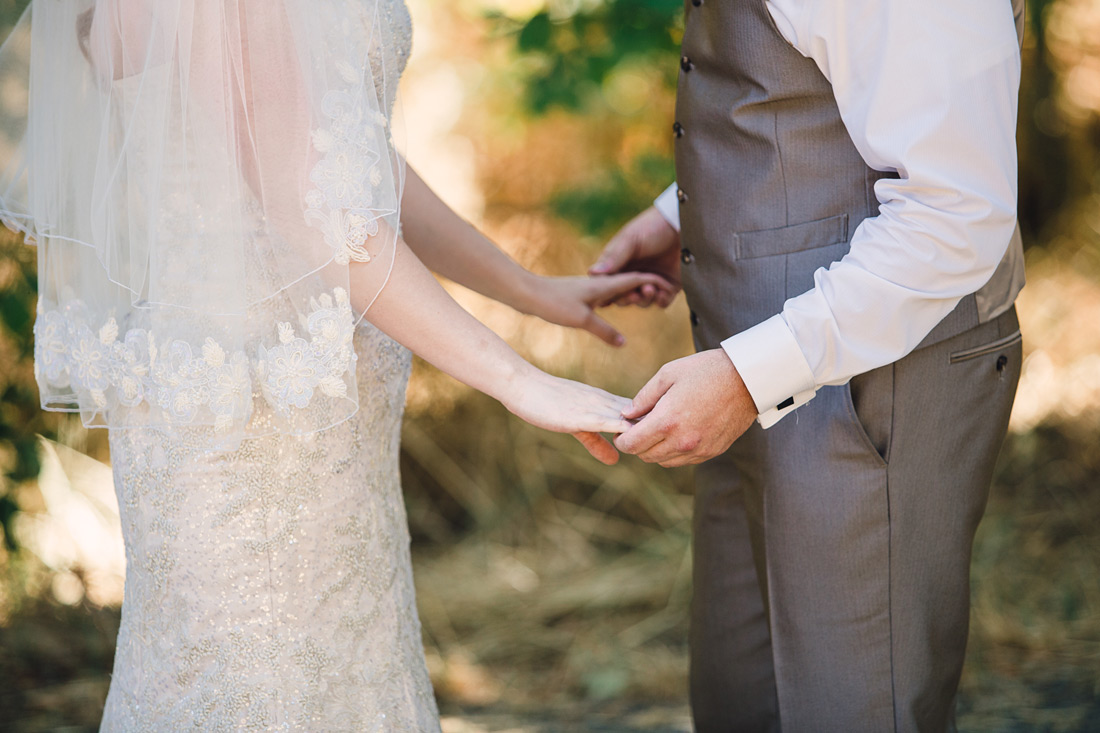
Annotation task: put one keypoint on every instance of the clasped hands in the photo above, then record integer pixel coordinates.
(693, 408)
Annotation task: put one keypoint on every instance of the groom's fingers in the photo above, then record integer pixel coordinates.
(598, 446)
(661, 441)
(623, 283)
(640, 439)
(633, 288)
(667, 455)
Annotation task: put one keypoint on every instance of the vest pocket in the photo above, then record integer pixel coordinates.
(790, 239)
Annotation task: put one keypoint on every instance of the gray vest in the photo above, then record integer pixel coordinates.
(771, 186)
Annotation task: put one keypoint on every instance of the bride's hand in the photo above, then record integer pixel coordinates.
(572, 301)
(565, 406)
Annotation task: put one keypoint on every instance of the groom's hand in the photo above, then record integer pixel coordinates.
(691, 410)
(646, 243)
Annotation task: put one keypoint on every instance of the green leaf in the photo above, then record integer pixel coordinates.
(15, 313)
(535, 36)
(27, 465)
(8, 508)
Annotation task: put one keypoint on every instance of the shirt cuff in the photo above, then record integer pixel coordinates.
(773, 368)
(669, 206)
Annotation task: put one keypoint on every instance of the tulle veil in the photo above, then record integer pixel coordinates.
(214, 192)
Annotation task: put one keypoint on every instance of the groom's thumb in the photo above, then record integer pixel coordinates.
(614, 256)
(649, 395)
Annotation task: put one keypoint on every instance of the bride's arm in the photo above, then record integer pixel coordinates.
(416, 311)
(448, 244)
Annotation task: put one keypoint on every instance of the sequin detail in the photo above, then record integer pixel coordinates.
(270, 587)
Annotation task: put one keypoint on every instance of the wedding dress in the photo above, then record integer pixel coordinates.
(270, 588)
(254, 427)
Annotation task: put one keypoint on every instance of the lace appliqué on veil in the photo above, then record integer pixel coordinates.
(181, 381)
(343, 204)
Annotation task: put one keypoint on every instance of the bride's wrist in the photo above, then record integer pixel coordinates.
(526, 293)
(517, 383)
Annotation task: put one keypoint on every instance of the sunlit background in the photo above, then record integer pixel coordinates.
(553, 590)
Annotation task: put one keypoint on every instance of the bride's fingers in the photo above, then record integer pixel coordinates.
(604, 423)
(610, 403)
(600, 448)
(602, 329)
(603, 416)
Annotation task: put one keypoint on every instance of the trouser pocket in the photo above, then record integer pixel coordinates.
(973, 353)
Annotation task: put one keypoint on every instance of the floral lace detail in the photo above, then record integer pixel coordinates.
(269, 587)
(354, 144)
(105, 367)
(290, 372)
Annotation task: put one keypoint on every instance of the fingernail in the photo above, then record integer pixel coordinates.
(619, 340)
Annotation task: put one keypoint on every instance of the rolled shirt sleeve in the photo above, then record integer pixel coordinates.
(927, 90)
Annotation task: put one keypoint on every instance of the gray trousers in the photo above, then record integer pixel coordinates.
(832, 552)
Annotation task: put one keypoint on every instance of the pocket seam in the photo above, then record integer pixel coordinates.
(786, 240)
(958, 357)
(857, 426)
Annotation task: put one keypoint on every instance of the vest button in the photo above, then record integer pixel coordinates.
(686, 256)
(678, 129)
(681, 196)
(694, 318)
(696, 3)
(686, 64)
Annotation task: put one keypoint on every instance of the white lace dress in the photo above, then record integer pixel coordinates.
(270, 587)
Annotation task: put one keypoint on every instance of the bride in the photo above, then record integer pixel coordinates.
(232, 274)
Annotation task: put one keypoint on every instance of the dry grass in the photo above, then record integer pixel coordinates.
(554, 592)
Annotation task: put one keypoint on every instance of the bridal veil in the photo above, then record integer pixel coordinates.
(214, 192)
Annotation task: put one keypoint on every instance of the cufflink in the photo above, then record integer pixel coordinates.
(789, 402)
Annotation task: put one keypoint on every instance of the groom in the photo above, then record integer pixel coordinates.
(844, 227)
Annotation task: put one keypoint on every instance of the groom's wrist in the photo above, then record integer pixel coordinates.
(773, 368)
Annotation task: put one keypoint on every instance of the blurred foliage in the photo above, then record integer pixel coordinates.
(1059, 125)
(20, 417)
(10, 10)
(616, 196)
(598, 60)
(570, 49)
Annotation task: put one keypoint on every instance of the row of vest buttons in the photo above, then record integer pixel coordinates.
(686, 257)
(685, 254)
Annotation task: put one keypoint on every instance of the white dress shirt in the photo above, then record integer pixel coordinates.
(927, 89)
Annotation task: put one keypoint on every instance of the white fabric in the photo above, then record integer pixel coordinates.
(200, 176)
(769, 358)
(669, 206)
(928, 90)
